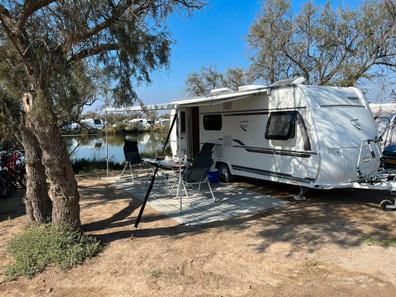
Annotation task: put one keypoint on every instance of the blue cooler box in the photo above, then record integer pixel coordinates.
(213, 175)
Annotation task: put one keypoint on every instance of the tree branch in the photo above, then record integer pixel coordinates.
(9, 25)
(118, 11)
(30, 7)
(93, 51)
(6, 18)
(387, 64)
(297, 62)
(346, 50)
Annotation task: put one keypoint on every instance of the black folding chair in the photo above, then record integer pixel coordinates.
(132, 157)
(196, 173)
(207, 148)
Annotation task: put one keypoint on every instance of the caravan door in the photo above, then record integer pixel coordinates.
(187, 132)
(194, 146)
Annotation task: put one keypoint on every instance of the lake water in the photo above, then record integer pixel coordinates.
(94, 146)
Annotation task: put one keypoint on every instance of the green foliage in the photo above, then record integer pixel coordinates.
(72, 90)
(324, 44)
(130, 128)
(114, 118)
(9, 114)
(42, 245)
(118, 128)
(381, 242)
(163, 130)
(122, 41)
(92, 165)
(201, 83)
(69, 53)
(156, 273)
(267, 37)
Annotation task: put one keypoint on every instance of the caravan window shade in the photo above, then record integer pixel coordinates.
(212, 122)
(281, 125)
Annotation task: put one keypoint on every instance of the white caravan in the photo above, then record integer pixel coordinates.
(92, 123)
(310, 136)
(142, 123)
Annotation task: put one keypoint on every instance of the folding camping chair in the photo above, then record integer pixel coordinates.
(195, 173)
(132, 157)
(207, 148)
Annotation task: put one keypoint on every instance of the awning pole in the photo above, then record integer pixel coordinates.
(154, 174)
(107, 147)
(178, 134)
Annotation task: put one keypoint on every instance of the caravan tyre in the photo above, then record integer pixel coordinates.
(385, 203)
(224, 173)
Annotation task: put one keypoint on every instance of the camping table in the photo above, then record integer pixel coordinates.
(176, 166)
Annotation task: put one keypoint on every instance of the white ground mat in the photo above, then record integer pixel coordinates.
(231, 200)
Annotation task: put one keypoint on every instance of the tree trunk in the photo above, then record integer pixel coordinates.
(63, 186)
(38, 204)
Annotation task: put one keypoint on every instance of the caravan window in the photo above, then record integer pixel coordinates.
(281, 125)
(212, 122)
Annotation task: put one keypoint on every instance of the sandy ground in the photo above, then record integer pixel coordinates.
(311, 248)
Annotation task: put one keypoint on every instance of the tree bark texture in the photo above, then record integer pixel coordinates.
(38, 204)
(63, 186)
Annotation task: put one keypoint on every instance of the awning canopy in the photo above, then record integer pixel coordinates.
(198, 101)
(219, 99)
(217, 96)
(164, 106)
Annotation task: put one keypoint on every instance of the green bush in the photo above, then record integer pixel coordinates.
(116, 129)
(381, 242)
(93, 165)
(42, 245)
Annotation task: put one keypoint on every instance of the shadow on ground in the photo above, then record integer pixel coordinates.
(342, 217)
(13, 206)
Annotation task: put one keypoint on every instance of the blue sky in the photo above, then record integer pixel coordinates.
(214, 36)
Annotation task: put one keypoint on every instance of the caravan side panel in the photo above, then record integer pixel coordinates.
(241, 142)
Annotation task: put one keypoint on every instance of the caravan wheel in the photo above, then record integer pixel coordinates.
(385, 205)
(224, 173)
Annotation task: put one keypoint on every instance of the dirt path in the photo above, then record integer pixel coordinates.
(311, 248)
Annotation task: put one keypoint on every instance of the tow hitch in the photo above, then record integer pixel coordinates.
(383, 179)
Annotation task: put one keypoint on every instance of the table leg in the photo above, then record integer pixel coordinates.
(178, 189)
(178, 186)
